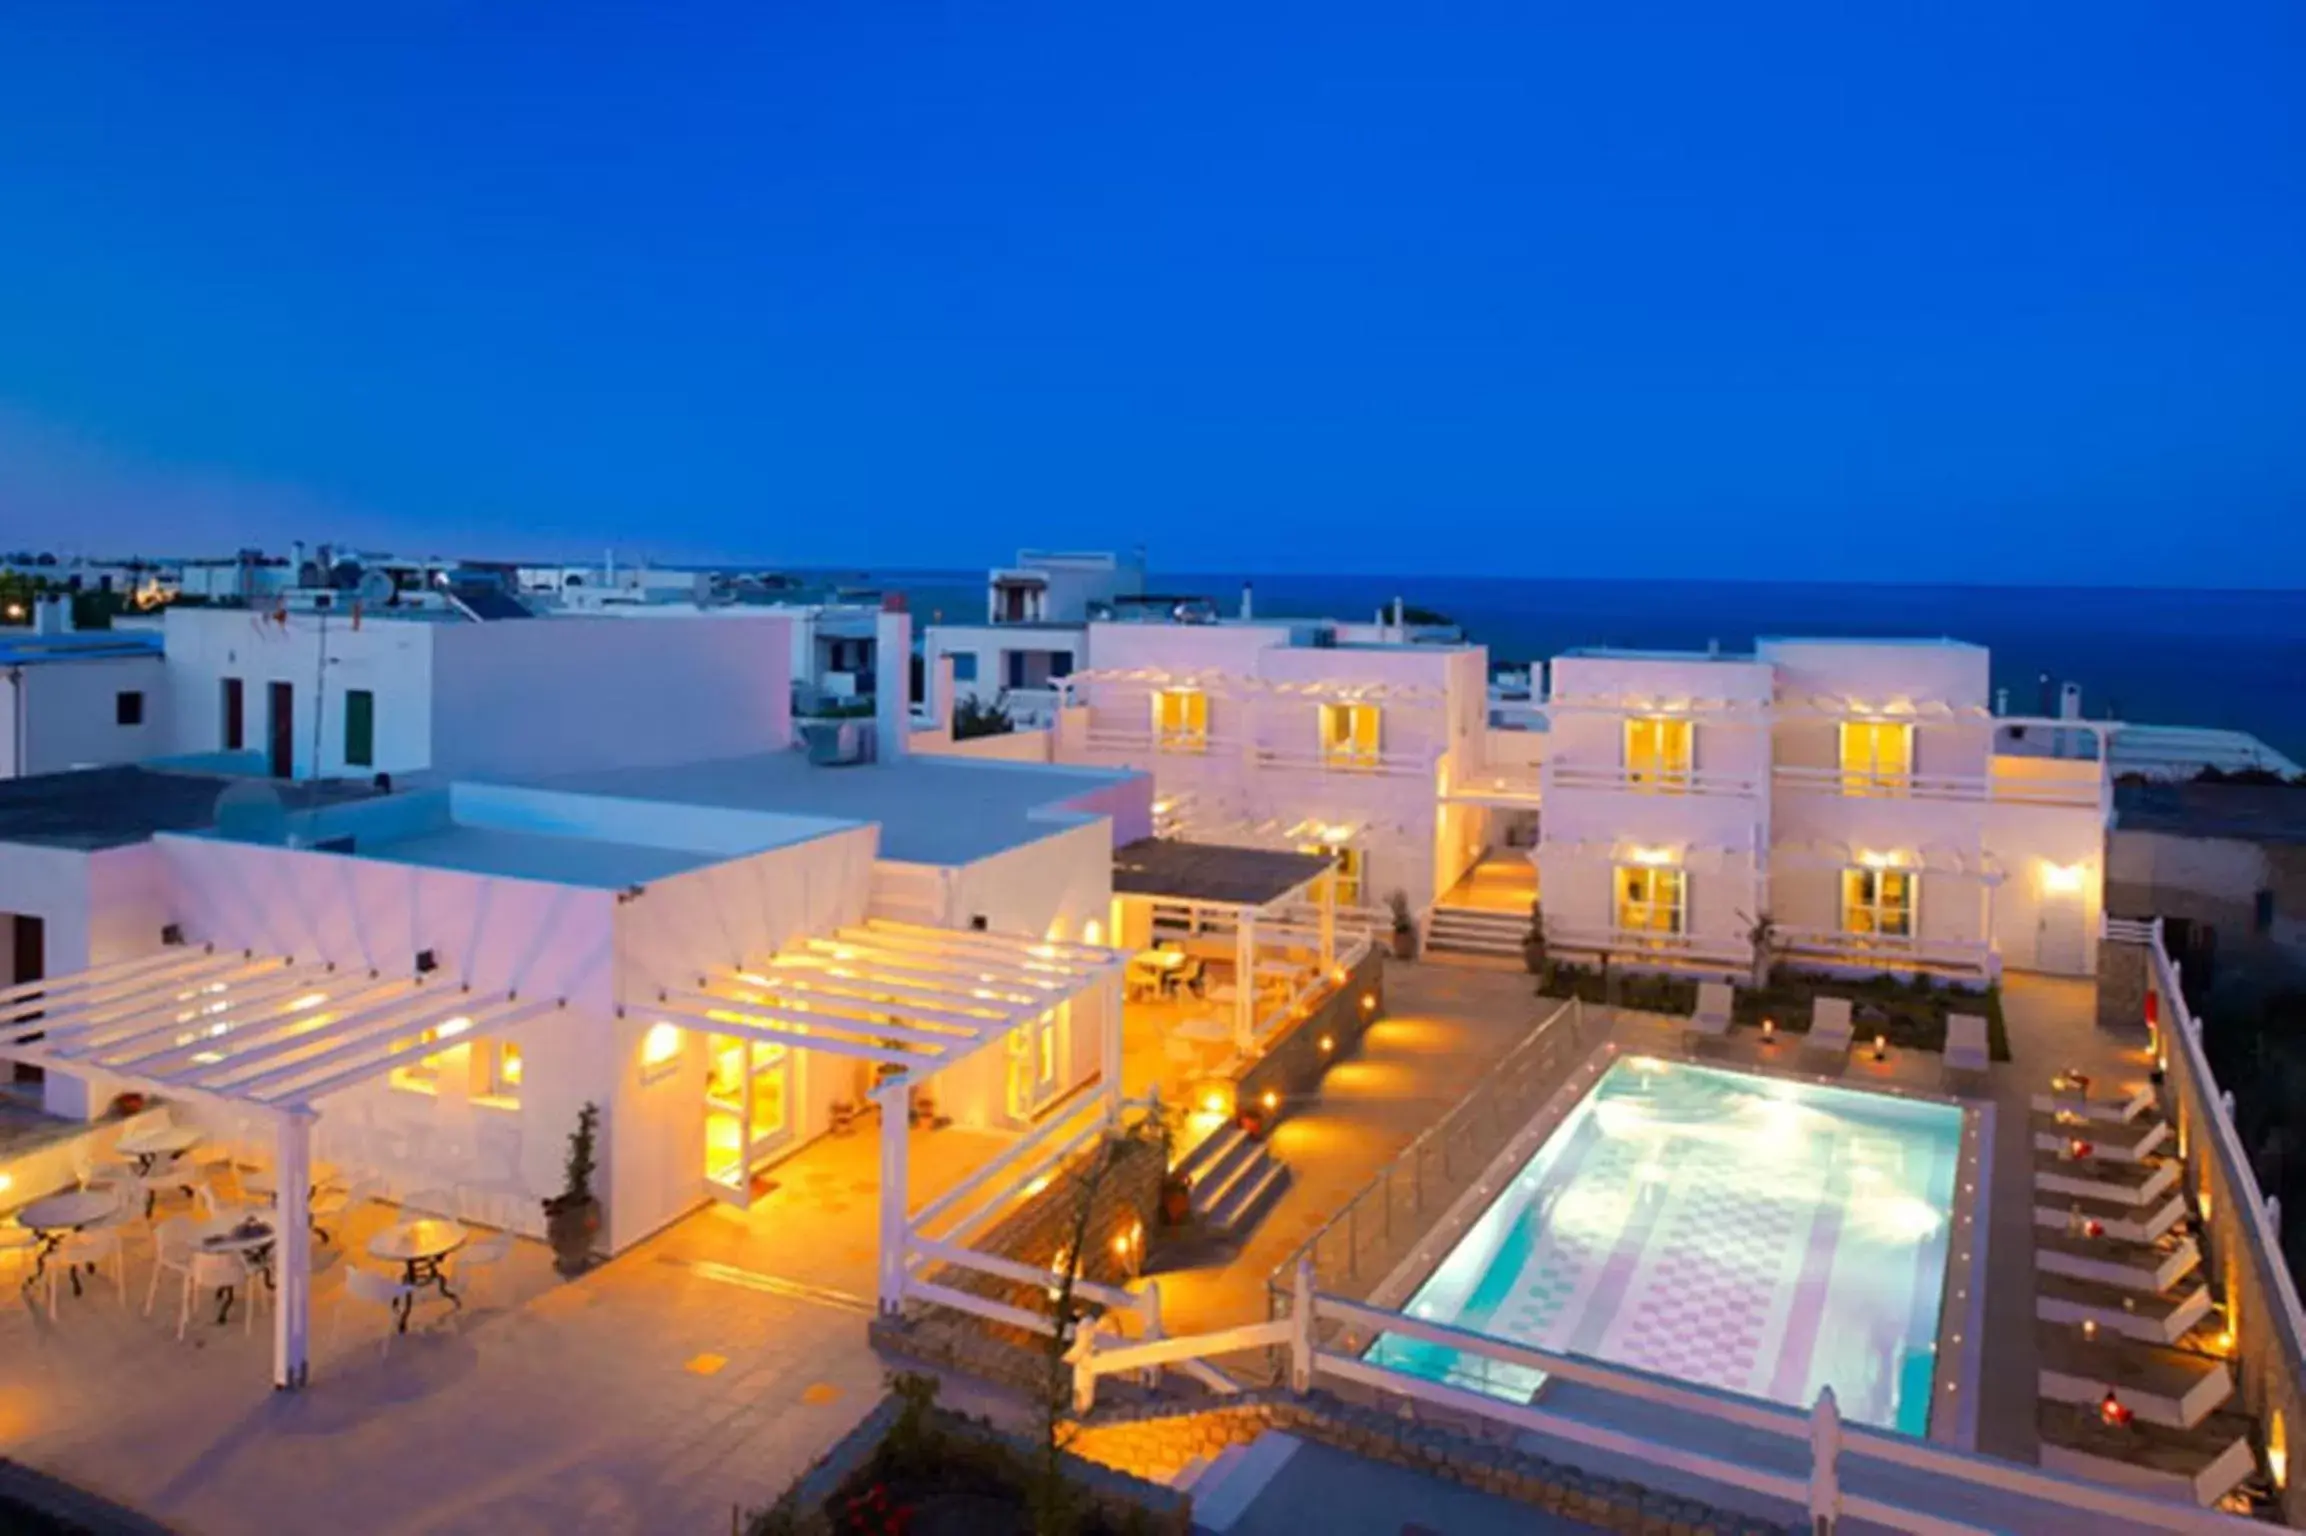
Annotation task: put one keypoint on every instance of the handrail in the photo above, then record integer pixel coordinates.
(1650, 781)
(1860, 784)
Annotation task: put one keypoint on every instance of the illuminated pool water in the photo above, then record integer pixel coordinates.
(1749, 1233)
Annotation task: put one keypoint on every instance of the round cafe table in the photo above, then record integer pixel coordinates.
(150, 1143)
(57, 1217)
(249, 1236)
(418, 1247)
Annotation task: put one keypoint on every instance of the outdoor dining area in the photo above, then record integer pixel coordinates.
(171, 1214)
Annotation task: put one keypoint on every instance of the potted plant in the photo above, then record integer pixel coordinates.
(1176, 1199)
(1404, 927)
(574, 1215)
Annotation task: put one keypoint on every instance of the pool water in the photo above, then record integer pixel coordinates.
(1751, 1233)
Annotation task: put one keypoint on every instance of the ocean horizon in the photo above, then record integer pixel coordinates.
(2231, 658)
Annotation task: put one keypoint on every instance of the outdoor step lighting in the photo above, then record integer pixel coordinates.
(1881, 1047)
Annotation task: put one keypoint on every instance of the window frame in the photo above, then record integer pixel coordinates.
(1340, 734)
(1193, 734)
(128, 707)
(1868, 777)
(1664, 770)
(1863, 888)
(1675, 909)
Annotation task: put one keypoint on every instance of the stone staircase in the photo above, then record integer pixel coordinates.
(1234, 1177)
(1476, 931)
(1225, 1486)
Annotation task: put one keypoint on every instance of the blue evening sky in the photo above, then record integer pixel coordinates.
(1882, 291)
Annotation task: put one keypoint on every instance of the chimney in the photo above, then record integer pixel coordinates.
(940, 683)
(2001, 701)
(892, 684)
(1248, 604)
(52, 614)
(1399, 632)
(2048, 693)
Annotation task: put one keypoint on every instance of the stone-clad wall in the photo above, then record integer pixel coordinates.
(1157, 1441)
(1294, 1061)
(2122, 985)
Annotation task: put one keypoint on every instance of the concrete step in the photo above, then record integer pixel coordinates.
(1241, 1164)
(1240, 1207)
(1190, 1474)
(1477, 931)
(1237, 1477)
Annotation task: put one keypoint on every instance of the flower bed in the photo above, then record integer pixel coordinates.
(1912, 1013)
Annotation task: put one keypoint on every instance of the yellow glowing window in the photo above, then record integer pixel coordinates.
(1180, 719)
(1349, 735)
(1347, 874)
(1657, 751)
(502, 1061)
(1048, 1030)
(1877, 757)
(1878, 902)
(1651, 899)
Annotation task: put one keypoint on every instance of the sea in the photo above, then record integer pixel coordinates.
(2231, 659)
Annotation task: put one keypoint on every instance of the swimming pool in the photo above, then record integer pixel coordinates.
(1756, 1234)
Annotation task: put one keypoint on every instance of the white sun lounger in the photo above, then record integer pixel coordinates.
(1829, 1026)
(1711, 1021)
(2116, 1111)
(1966, 1043)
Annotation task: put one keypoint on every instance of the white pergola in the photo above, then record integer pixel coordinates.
(908, 997)
(247, 1031)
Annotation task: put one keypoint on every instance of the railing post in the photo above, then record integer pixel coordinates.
(1825, 1453)
(1081, 1355)
(1149, 1320)
(1301, 1330)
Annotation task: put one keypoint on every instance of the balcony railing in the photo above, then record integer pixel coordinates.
(1651, 781)
(1150, 746)
(1523, 782)
(1859, 784)
(1889, 951)
(1402, 765)
(1640, 945)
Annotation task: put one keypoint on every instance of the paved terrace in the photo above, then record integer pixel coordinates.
(708, 1366)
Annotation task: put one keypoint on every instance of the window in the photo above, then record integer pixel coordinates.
(359, 728)
(1060, 663)
(1878, 902)
(1348, 871)
(1657, 752)
(1349, 735)
(490, 1069)
(964, 666)
(1181, 720)
(128, 708)
(1651, 899)
(235, 716)
(1877, 757)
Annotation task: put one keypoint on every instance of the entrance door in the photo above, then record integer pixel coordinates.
(282, 728)
(2061, 943)
(28, 961)
(749, 1114)
(1033, 1064)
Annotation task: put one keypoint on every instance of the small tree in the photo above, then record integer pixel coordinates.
(973, 717)
(577, 1177)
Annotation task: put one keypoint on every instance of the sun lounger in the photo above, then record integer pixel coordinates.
(2120, 1111)
(1711, 1020)
(1966, 1043)
(1829, 1026)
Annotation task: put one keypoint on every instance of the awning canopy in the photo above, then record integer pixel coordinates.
(894, 993)
(1219, 874)
(263, 1030)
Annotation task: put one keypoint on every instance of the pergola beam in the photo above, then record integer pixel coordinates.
(969, 1012)
(42, 1015)
(1087, 956)
(279, 1030)
(275, 990)
(487, 1020)
(117, 973)
(863, 1025)
(771, 1035)
(346, 1038)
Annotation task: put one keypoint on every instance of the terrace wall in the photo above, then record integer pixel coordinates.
(1294, 1061)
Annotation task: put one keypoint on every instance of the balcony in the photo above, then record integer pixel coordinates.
(1512, 784)
(1346, 761)
(2061, 783)
(1888, 952)
(1650, 781)
(1647, 946)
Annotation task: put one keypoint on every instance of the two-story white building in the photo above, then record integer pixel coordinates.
(75, 700)
(1035, 634)
(1851, 804)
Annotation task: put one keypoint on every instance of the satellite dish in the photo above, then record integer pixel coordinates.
(375, 589)
(251, 813)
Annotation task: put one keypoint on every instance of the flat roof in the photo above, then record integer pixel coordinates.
(2251, 813)
(583, 861)
(94, 808)
(930, 809)
(1213, 872)
(24, 648)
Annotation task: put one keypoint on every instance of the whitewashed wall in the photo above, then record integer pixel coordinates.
(70, 714)
(390, 658)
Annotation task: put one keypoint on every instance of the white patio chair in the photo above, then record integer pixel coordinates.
(1830, 1029)
(212, 1272)
(95, 1247)
(1711, 1019)
(432, 1201)
(1966, 1049)
(480, 1261)
(331, 1206)
(174, 1240)
(367, 1288)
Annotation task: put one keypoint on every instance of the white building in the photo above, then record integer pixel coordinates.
(1035, 633)
(1277, 734)
(1858, 795)
(334, 693)
(76, 700)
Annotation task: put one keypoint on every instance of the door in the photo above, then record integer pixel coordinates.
(28, 961)
(2061, 942)
(1033, 1063)
(281, 730)
(749, 1114)
(235, 735)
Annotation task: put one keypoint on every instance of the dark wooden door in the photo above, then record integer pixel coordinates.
(282, 726)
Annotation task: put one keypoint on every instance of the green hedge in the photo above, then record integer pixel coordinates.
(1912, 1012)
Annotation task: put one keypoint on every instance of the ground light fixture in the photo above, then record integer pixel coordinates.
(1881, 1047)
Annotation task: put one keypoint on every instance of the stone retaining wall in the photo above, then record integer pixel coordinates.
(1158, 1441)
(1294, 1060)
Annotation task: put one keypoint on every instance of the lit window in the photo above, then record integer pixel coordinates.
(1878, 902)
(1651, 899)
(1048, 1031)
(503, 1059)
(1347, 873)
(1349, 735)
(1657, 752)
(1181, 720)
(1877, 757)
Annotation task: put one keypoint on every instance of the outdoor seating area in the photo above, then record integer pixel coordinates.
(183, 1228)
(2135, 1382)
